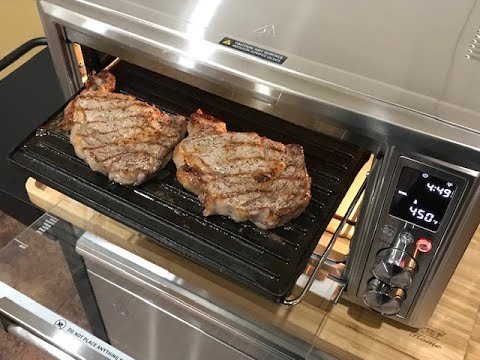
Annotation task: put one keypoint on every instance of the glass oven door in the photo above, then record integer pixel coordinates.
(110, 293)
(39, 300)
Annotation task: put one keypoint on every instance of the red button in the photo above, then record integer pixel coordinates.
(424, 245)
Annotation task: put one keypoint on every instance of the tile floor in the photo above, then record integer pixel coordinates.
(9, 227)
(49, 283)
(10, 347)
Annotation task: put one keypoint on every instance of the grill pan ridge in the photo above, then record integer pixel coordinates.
(267, 262)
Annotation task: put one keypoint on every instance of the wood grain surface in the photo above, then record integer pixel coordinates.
(349, 332)
(473, 350)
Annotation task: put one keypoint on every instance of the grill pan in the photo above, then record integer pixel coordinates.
(267, 262)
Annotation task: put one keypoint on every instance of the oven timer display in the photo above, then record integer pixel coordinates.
(421, 199)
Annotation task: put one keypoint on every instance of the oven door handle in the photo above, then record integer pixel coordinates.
(35, 331)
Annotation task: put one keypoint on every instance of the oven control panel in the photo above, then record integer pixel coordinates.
(421, 201)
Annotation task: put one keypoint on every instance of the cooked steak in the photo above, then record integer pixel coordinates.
(118, 135)
(241, 174)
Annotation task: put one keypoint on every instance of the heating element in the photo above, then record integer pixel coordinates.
(268, 262)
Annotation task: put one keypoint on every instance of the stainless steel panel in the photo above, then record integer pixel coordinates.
(461, 227)
(44, 336)
(366, 47)
(31, 339)
(63, 57)
(124, 283)
(163, 34)
(157, 328)
(424, 260)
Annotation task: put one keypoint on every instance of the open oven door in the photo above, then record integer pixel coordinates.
(77, 295)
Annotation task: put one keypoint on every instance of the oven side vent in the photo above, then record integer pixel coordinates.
(473, 51)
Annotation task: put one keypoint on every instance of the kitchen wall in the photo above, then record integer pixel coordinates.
(19, 22)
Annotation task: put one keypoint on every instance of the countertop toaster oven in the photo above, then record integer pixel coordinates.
(387, 115)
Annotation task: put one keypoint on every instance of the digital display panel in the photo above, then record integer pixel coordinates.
(421, 199)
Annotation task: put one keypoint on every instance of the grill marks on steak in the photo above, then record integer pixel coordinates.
(242, 175)
(118, 135)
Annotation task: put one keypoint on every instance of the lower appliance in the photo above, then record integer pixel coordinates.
(47, 271)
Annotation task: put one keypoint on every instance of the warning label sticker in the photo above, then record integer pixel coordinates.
(109, 352)
(253, 50)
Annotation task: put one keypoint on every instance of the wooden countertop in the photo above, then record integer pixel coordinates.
(350, 332)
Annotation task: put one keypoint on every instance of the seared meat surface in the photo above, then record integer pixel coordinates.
(124, 138)
(241, 174)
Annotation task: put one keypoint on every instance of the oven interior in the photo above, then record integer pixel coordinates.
(268, 262)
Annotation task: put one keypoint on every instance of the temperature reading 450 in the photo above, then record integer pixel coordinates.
(422, 214)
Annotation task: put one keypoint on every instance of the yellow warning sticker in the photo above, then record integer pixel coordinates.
(253, 50)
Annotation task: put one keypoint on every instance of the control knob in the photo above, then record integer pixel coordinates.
(382, 298)
(394, 266)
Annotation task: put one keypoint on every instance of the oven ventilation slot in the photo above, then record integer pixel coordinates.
(473, 53)
(267, 262)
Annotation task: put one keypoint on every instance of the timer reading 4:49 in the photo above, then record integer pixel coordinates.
(445, 192)
(421, 198)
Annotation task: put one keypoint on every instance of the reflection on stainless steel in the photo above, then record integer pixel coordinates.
(384, 299)
(31, 328)
(34, 340)
(395, 267)
(198, 22)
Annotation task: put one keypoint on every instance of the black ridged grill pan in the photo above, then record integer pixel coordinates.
(268, 262)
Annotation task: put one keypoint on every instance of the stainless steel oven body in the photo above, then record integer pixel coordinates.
(384, 76)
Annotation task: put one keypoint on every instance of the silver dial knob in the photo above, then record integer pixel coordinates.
(395, 267)
(404, 239)
(382, 298)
